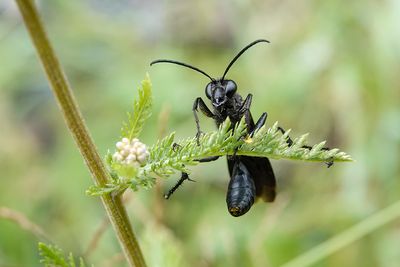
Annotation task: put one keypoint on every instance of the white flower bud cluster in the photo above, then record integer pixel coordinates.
(132, 152)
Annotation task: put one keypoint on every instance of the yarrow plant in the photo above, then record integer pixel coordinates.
(134, 166)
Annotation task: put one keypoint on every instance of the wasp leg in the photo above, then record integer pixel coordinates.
(329, 163)
(245, 110)
(199, 104)
(184, 177)
(246, 103)
(260, 123)
(208, 159)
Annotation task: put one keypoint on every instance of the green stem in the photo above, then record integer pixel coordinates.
(74, 120)
(347, 237)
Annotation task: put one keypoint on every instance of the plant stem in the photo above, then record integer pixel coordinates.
(347, 237)
(74, 120)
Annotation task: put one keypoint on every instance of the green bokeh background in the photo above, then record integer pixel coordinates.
(332, 69)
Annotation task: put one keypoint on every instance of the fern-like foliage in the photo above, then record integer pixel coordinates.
(168, 157)
(141, 111)
(53, 256)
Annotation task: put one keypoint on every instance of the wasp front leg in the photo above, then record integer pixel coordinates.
(245, 110)
(260, 123)
(199, 104)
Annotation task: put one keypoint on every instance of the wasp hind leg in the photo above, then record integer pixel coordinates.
(184, 177)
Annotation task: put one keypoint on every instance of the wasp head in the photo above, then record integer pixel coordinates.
(219, 91)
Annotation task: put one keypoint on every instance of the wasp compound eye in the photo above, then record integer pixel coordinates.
(208, 90)
(230, 88)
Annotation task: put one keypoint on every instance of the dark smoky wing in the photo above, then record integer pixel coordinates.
(262, 173)
(231, 164)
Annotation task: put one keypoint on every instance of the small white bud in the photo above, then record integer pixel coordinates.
(141, 150)
(131, 157)
(125, 140)
(124, 152)
(132, 150)
(119, 145)
(141, 158)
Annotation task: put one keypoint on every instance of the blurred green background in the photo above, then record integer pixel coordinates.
(332, 69)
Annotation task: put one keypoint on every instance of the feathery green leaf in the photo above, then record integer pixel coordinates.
(54, 256)
(141, 111)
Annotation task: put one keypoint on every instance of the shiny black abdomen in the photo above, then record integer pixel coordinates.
(241, 190)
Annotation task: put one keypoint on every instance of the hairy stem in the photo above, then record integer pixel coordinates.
(74, 120)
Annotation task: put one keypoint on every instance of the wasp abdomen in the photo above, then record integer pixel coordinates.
(241, 191)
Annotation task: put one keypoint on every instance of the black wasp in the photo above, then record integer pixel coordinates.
(251, 177)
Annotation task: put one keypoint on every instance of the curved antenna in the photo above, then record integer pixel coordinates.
(181, 64)
(240, 53)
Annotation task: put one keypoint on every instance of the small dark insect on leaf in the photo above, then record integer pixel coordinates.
(251, 177)
(176, 147)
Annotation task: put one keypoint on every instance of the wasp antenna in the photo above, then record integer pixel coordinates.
(240, 53)
(181, 64)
